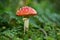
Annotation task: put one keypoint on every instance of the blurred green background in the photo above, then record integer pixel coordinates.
(44, 26)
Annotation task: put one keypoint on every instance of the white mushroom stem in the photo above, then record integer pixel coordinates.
(26, 24)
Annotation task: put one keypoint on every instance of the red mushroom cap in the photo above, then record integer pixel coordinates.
(26, 11)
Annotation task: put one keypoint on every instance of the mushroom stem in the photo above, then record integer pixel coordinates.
(26, 24)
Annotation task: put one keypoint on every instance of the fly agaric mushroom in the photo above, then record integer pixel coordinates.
(26, 12)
